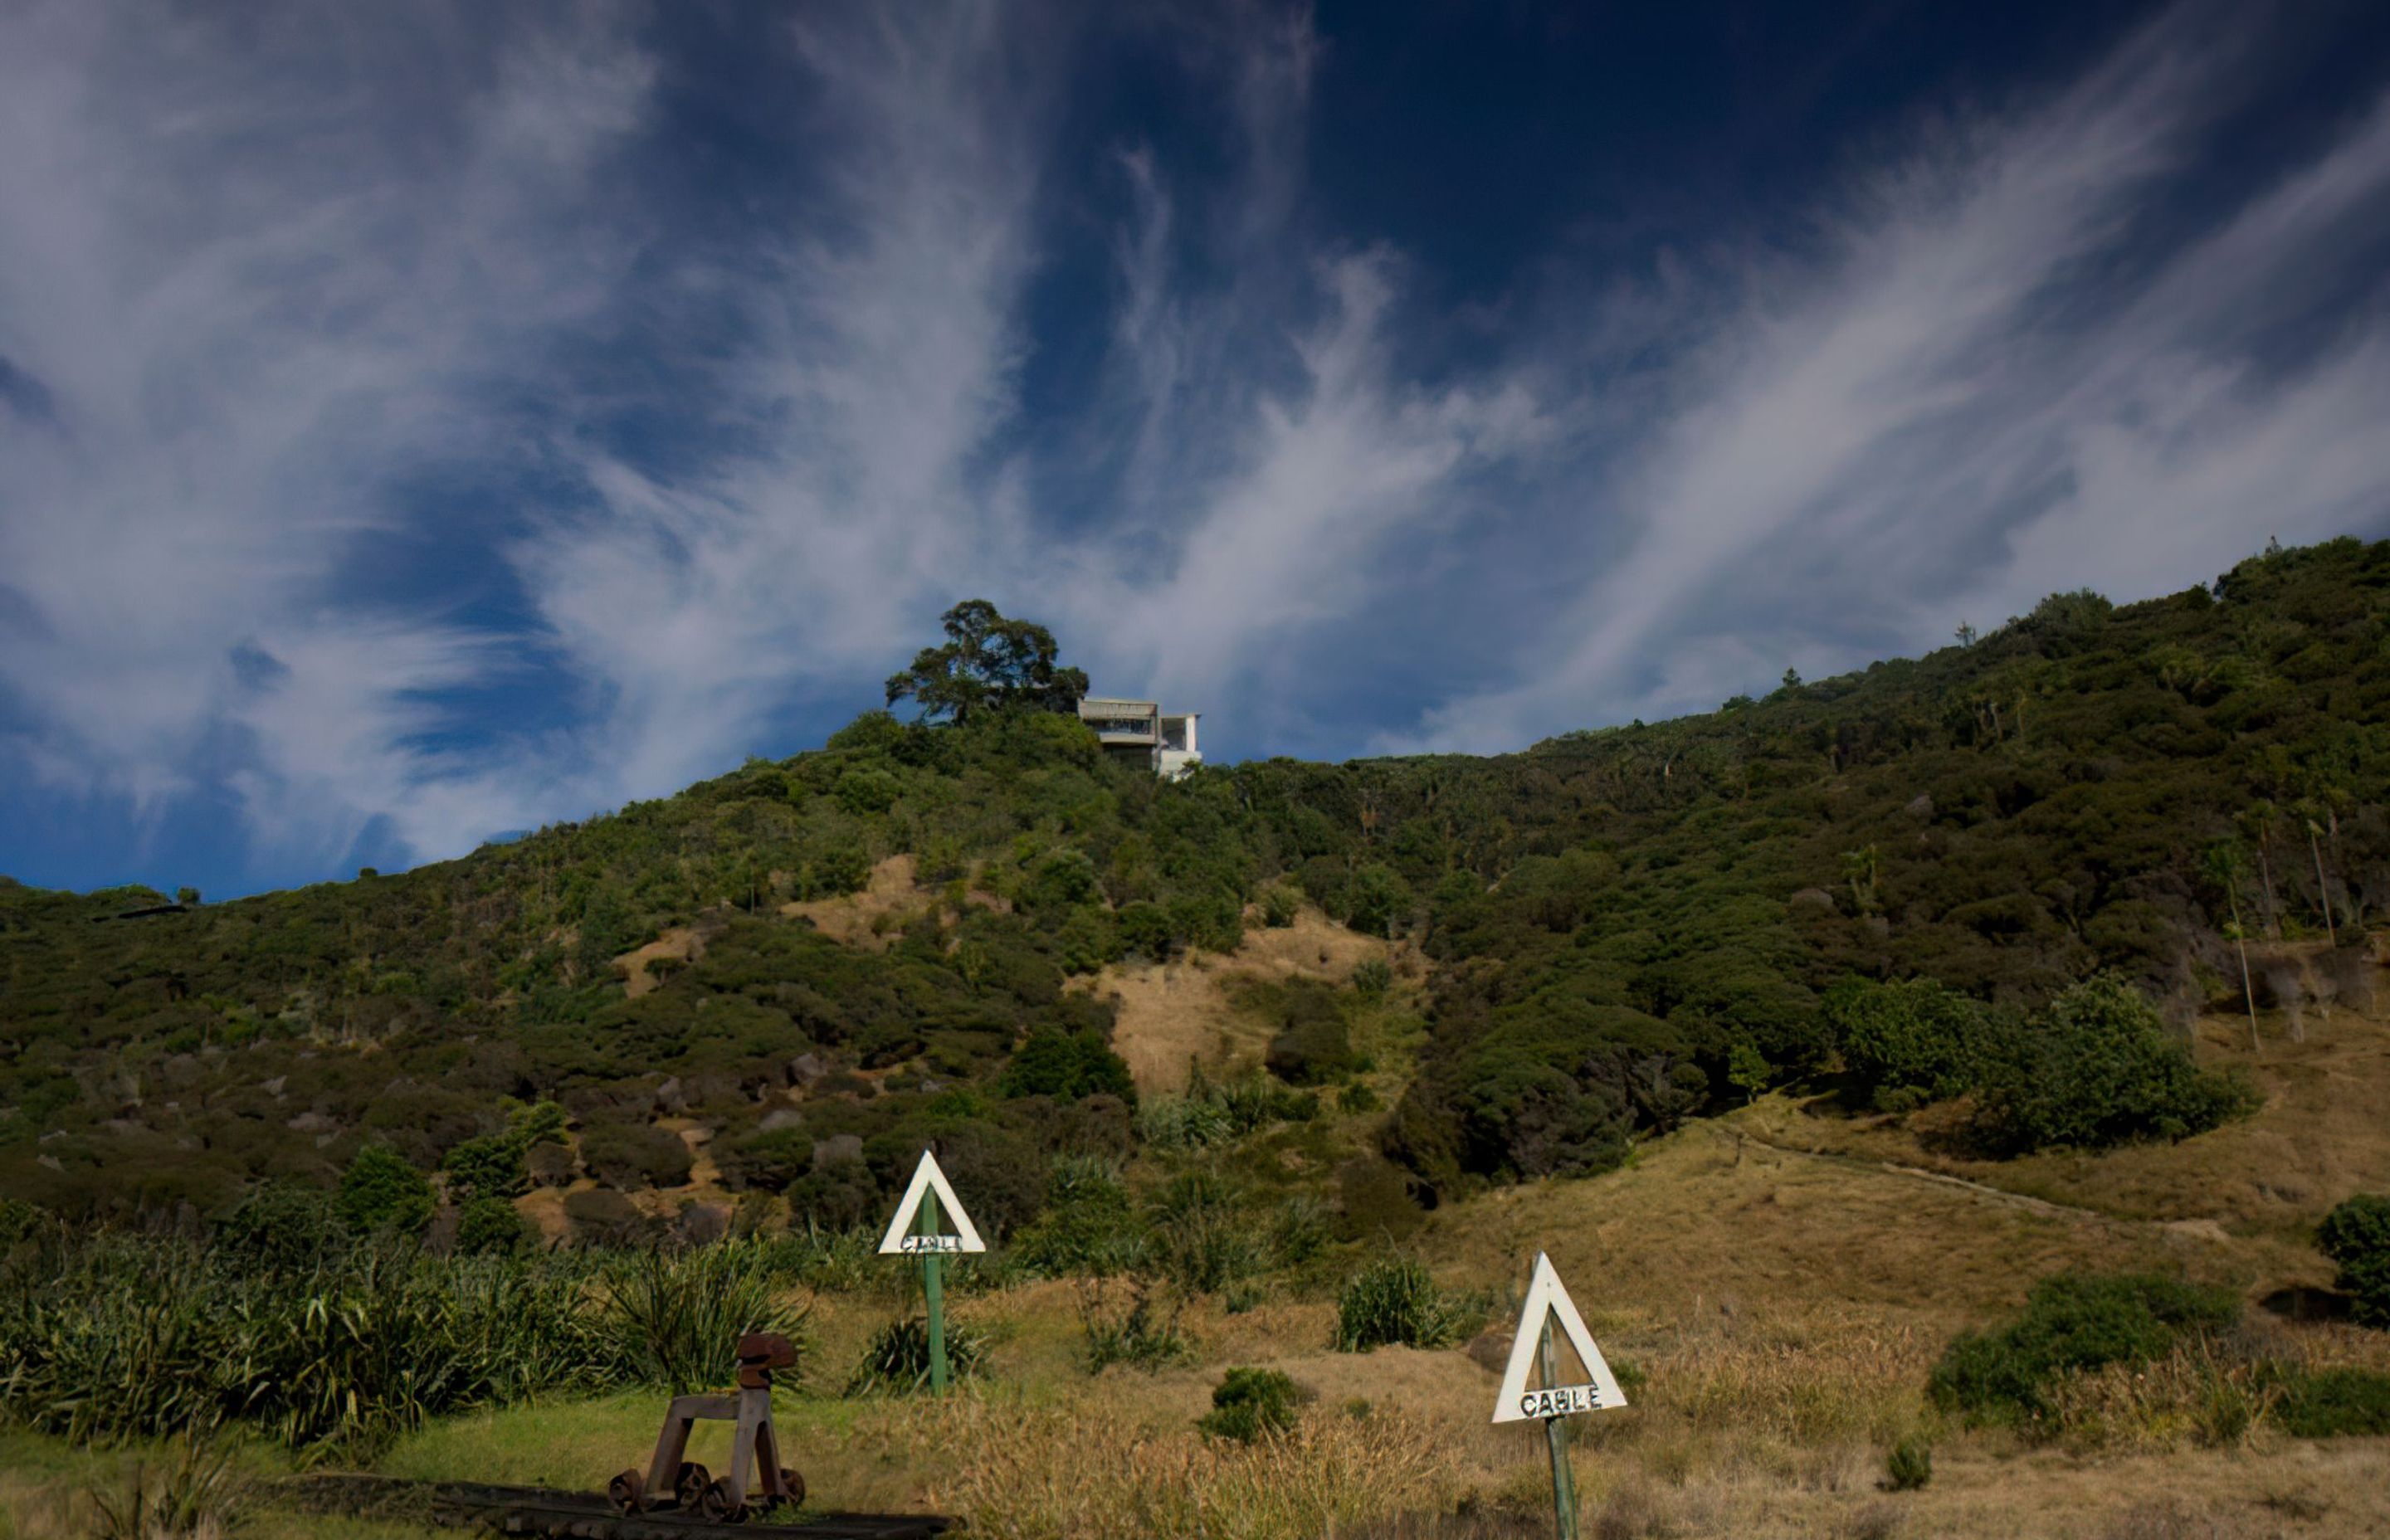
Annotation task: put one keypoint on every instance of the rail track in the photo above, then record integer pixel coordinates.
(534, 1510)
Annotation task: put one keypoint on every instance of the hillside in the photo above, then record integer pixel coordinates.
(806, 968)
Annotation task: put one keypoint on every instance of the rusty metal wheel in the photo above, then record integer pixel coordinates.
(792, 1484)
(721, 1504)
(627, 1491)
(689, 1487)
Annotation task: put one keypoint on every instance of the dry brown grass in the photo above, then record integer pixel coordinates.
(872, 918)
(1178, 1013)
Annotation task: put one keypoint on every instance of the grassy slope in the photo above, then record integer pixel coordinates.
(1783, 1306)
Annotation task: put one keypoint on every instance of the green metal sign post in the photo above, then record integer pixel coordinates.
(936, 1297)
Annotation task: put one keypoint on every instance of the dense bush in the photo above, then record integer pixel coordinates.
(1066, 1065)
(1250, 1404)
(285, 1227)
(2099, 1068)
(1090, 1226)
(381, 1191)
(634, 1155)
(1913, 1039)
(488, 1226)
(2356, 1236)
(1394, 1301)
(2071, 1323)
(1619, 920)
(109, 1335)
(1313, 1044)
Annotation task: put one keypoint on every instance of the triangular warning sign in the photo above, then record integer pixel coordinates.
(1549, 1303)
(927, 1178)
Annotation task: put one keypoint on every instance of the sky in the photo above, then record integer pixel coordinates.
(422, 421)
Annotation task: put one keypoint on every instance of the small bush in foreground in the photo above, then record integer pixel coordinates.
(197, 1491)
(1911, 1465)
(1137, 1335)
(2071, 1323)
(677, 1316)
(2356, 1236)
(1250, 1404)
(1394, 1301)
(898, 1357)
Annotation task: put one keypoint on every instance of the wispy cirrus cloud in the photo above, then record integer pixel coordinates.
(259, 265)
(414, 425)
(2013, 362)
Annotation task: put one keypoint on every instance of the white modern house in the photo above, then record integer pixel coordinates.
(1140, 731)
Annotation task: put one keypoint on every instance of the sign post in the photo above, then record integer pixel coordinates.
(1547, 1317)
(915, 1232)
(933, 1296)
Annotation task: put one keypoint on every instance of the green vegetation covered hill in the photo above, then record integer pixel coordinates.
(1626, 928)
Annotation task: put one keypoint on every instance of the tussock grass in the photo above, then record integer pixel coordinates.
(1035, 1473)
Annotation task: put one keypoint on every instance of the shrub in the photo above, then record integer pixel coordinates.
(130, 1337)
(1249, 1405)
(2356, 1236)
(626, 1156)
(1371, 978)
(1376, 900)
(1089, 1228)
(1910, 1037)
(2098, 1067)
(1205, 1235)
(603, 1216)
(867, 789)
(1137, 1335)
(1066, 1065)
(490, 1226)
(1911, 1465)
(283, 1227)
(677, 1316)
(2071, 1323)
(487, 1167)
(1280, 903)
(897, 1358)
(199, 1489)
(2335, 1404)
(381, 1191)
(1393, 1300)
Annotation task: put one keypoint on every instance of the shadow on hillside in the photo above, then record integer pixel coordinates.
(2306, 1302)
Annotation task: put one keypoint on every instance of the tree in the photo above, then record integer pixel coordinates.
(2224, 869)
(2323, 888)
(381, 1191)
(988, 663)
(2356, 1236)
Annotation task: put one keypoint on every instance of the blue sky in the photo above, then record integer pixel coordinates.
(419, 421)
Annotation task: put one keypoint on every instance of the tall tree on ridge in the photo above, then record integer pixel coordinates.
(987, 663)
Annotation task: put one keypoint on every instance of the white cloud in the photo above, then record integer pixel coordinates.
(262, 267)
(1972, 398)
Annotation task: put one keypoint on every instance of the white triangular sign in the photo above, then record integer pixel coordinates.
(927, 1178)
(1548, 1302)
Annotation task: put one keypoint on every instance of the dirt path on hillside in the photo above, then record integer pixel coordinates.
(1740, 1138)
